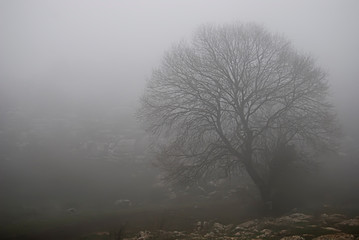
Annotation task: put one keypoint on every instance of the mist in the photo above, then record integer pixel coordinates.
(74, 158)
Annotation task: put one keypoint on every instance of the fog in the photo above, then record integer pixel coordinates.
(71, 77)
(104, 51)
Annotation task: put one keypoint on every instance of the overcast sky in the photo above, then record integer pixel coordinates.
(106, 49)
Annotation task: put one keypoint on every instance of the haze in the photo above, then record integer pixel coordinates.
(72, 74)
(105, 49)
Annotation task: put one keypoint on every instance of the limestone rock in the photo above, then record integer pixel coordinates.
(247, 224)
(219, 228)
(331, 229)
(350, 223)
(295, 237)
(337, 236)
(144, 235)
(332, 218)
(294, 218)
(265, 233)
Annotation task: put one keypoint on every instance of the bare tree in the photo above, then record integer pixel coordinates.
(236, 97)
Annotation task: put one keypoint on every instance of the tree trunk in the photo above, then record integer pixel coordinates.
(264, 189)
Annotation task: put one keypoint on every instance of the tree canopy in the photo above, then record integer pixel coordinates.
(236, 97)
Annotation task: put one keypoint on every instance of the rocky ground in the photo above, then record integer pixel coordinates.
(295, 226)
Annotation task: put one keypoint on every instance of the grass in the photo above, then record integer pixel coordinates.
(85, 223)
(114, 224)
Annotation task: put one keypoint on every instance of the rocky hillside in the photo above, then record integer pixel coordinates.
(296, 226)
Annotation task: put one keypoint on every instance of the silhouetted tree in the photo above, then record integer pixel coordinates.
(236, 97)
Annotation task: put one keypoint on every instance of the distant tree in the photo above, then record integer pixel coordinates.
(236, 97)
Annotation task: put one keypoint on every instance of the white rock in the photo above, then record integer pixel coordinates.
(337, 236)
(295, 237)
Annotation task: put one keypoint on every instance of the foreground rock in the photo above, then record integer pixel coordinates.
(297, 226)
(339, 236)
